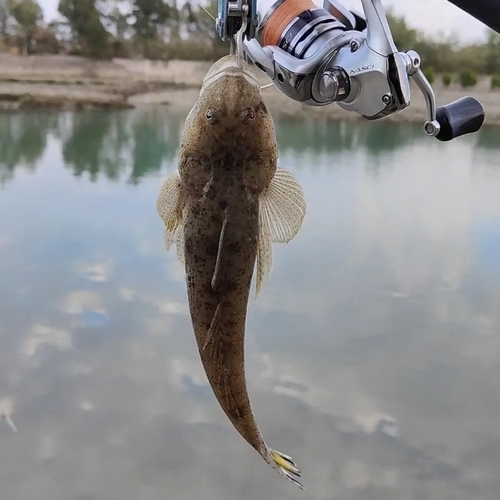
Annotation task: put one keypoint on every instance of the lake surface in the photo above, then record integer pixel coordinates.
(373, 352)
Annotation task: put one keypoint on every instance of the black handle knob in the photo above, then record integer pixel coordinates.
(460, 117)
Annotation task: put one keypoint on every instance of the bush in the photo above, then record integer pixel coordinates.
(467, 78)
(156, 50)
(495, 82)
(447, 79)
(197, 50)
(122, 49)
(430, 75)
(45, 42)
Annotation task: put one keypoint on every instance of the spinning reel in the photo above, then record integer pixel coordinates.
(323, 55)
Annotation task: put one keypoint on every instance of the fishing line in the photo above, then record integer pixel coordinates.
(208, 12)
(238, 50)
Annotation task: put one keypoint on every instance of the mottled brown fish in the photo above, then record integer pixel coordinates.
(224, 207)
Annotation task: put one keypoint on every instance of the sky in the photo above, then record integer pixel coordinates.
(435, 17)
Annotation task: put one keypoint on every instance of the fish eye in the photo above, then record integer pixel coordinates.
(210, 113)
(248, 114)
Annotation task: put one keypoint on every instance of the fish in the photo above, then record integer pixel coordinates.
(223, 208)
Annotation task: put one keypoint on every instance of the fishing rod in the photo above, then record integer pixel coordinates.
(485, 11)
(330, 54)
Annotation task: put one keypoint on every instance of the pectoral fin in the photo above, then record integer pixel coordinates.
(214, 326)
(282, 208)
(179, 241)
(169, 207)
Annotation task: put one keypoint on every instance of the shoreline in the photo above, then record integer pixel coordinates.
(281, 106)
(71, 83)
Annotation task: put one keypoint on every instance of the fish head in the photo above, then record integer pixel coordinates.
(230, 110)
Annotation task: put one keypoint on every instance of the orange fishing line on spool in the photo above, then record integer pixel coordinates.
(281, 17)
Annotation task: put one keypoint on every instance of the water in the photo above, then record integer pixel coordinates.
(373, 353)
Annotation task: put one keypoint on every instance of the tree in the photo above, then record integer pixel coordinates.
(118, 22)
(153, 144)
(91, 147)
(492, 53)
(46, 41)
(4, 17)
(189, 17)
(206, 28)
(23, 139)
(27, 14)
(85, 22)
(404, 36)
(149, 15)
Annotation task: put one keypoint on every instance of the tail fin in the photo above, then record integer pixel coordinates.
(285, 466)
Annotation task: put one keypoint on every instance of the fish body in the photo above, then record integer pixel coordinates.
(224, 207)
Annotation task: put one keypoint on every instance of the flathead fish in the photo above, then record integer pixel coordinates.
(224, 207)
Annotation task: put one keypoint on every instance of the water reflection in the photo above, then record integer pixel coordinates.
(96, 144)
(103, 142)
(372, 353)
(23, 139)
(320, 136)
(142, 141)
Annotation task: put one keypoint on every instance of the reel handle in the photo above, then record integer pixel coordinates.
(460, 117)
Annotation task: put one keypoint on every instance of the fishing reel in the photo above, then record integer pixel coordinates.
(232, 15)
(323, 55)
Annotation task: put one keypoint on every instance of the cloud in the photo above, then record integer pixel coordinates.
(98, 272)
(6, 406)
(370, 360)
(163, 303)
(46, 335)
(79, 301)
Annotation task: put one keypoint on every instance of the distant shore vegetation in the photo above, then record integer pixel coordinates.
(178, 29)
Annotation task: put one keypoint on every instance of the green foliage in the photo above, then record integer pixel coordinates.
(85, 23)
(122, 49)
(23, 139)
(196, 50)
(206, 33)
(430, 75)
(495, 82)
(405, 37)
(118, 22)
(149, 16)
(467, 78)
(27, 14)
(155, 49)
(492, 53)
(4, 18)
(46, 41)
(447, 79)
(443, 55)
(155, 29)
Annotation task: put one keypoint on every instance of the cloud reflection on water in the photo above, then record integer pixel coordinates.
(372, 353)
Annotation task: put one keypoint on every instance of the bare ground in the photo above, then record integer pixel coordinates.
(67, 83)
(281, 105)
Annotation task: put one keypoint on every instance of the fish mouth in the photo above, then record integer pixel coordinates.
(228, 66)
